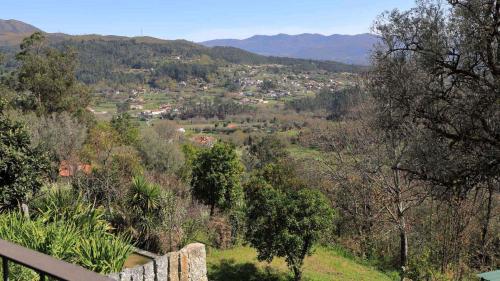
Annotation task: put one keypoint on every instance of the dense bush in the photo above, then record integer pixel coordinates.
(22, 167)
(216, 177)
(66, 228)
(337, 103)
(157, 219)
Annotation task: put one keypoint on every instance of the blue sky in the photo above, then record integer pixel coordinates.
(199, 20)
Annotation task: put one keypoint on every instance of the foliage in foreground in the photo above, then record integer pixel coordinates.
(21, 166)
(67, 229)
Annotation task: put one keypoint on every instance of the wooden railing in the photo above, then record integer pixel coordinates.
(44, 265)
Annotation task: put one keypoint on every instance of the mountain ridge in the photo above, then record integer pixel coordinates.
(347, 49)
(16, 27)
(104, 57)
(353, 49)
(13, 31)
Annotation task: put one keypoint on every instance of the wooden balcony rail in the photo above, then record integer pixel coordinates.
(44, 265)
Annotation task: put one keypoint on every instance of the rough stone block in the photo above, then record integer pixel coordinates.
(189, 264)
(115, 276)
(197, 258)
(134, 274)
(149, 271)
(173, 266)
(126, 275)
(161, 268)
(184, 264)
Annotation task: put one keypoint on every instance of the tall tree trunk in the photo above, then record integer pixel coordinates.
(403, 237)
(484, 234)
(487, 219)
(297, 274)
(404, 248)
(212, 210)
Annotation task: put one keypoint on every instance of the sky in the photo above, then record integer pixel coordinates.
(199, 20)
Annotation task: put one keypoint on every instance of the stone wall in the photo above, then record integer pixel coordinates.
(188, 264)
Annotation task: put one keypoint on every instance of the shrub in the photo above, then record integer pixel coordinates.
(216, 177)
(22, 168)
(66, 228)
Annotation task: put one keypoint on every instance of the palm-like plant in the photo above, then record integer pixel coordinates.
(143, 195)
(144, 209)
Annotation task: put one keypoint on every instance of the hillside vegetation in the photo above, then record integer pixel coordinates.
(118, 59)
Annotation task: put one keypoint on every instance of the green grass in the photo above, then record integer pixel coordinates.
(241, 263)
(153, 101)
(299, 152)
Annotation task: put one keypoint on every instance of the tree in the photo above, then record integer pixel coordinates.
(436, 80)
(451, 91)
(60, 134)
(367, 155)
(159, 154)
(104, 185)
(47, 77)
(126, 128)
(101, 141)
(145, 201)
(268, 149)
(285, 223)
(216, 177)
(22, 168)
(267, 85)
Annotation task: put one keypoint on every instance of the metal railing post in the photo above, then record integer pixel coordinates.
(5, 268)
(44, 265)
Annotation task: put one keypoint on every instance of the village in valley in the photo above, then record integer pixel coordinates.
(237, 97)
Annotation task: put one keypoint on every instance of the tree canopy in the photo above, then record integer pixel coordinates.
(285, 223)
(437, 68)
(22, 167)
(216, 176)
(46, 77)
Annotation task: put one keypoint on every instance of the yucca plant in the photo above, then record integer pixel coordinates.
(143, 212)
(65, 205)
(66, 227)
(103, 253)
(143, 195)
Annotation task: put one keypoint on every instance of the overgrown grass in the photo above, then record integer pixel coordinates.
(240, 263)
(299, 152)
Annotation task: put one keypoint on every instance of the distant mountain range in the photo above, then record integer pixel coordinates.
(350, 49)
(353, 49)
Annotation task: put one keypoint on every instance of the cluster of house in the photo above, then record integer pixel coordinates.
(277, 94)
(164, 109)
(313, 85)
(288, 84)
(247, 100)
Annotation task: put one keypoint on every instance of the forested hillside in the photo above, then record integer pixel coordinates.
(119, 59)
